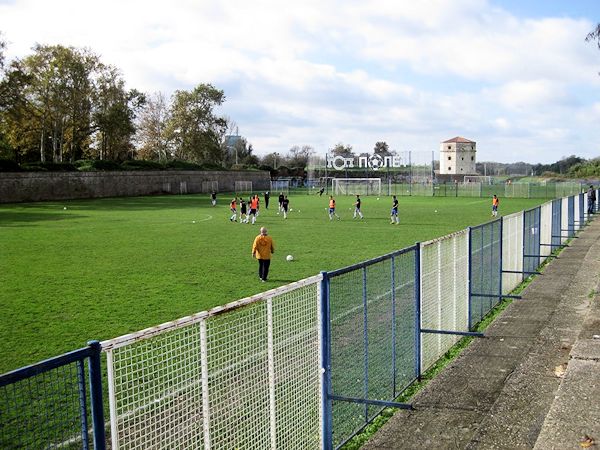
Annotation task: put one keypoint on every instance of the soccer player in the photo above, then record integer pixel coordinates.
(591, 199)
(253, 208)
(213, 198)
(285, 205)
(495, 203)
(233, 209)
(357, 208)
(321, 191)
(394, 214)
(281, 197)
(243, 211)
(262, 249)
(332, 208)
(267, 196)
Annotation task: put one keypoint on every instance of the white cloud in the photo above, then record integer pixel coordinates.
(411, 73)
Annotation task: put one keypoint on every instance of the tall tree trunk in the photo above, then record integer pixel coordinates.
(42, 156)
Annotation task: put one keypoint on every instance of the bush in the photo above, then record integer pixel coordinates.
(8, 165)
(92, 165)
(142, 164)
(182, 165)
(49, 167)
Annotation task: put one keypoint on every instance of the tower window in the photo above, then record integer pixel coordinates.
(449, 158)
(449, 147)
(472, 158)
(449, 168)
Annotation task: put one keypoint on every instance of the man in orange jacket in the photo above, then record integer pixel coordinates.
(262, 249)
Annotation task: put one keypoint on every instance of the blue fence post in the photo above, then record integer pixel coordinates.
(501, 260)
(470, 322)
(418, 310)
(327, 425)
(393, 327)
(366, 343)
(96, 395)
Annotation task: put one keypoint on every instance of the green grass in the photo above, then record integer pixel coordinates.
(105, 267)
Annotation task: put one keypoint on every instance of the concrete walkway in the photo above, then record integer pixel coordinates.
(533, 382)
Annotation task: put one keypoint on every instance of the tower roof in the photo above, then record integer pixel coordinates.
(460, 140)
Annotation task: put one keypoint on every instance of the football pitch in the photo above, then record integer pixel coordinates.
(96, 269)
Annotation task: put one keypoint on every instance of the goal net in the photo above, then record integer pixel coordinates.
(280, 186)
(352, 186)
(210, 186)
(242, 187)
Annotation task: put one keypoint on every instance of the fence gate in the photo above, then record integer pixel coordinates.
(373, 350)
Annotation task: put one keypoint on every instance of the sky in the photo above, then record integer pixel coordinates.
(516, 76)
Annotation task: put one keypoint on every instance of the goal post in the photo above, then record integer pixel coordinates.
(243, 187)
(280, 186)
(210, 186)
(353, 186)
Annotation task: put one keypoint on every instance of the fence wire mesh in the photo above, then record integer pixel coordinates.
(531, 240)
(444, 294)
(546, 223)
(49, 407)
(247, 379)
(485, 269)
(512, 251)
(373, 340)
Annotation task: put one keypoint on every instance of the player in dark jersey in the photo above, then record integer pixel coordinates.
(243, 211)
(357, 208)
(394, 214)
(285, 205)
(280, 199)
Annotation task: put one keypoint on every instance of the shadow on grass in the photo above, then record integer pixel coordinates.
(22, 219)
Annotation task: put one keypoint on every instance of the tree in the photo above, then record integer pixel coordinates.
(342, 150)
(381, 148)
(151, 132)
(115, 110)
(47, 100)
(195, 126)
(594, 36)
(298, 156)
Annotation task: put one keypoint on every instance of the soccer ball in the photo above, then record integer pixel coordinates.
(65, 207)
(377, 198)
(289, 258)
(193, 221)
(435, 210)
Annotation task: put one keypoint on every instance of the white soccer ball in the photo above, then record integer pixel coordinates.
(289, 258)
(435, 210)
(291, 209)
(65, 207)
(193, 221)
(377, 198)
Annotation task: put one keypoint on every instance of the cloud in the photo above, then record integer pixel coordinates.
(314, 72)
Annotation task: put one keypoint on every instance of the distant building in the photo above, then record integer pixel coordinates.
(457, 157)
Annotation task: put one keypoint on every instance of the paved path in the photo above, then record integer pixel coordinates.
(533, 382)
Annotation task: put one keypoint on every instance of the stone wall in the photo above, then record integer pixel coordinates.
(38, 186)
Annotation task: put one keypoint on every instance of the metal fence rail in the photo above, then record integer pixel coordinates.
(373, 342)
(245, 375)
(485, 269)
(51, 405)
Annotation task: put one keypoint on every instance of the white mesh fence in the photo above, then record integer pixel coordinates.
(245, 375)
(512, 251)
(564, 220)
(545, 230)
(353, 186)
(444, 294)
(516, 190)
